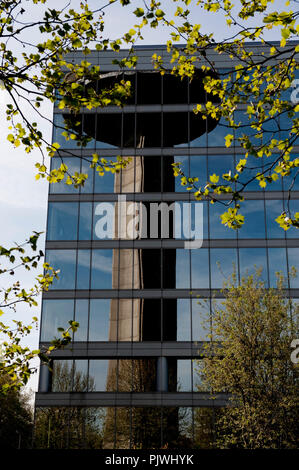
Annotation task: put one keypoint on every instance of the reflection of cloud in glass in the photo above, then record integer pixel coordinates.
(102, 262)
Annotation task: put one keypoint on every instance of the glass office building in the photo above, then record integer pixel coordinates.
(130, 378)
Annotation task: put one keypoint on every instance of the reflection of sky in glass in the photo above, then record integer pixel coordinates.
(273, 210)
(200, 319)
(183, 269)
(183, 320)
(277, 263)
(268, 164)
(73, 164)
(198, 169)
(98, 370)
(62, 221)
(65, 261)
(251, 257)
(293, 232)
(184, 375)
(99, 319)
(217, 229)
(253, 166)
(56, 314)
(200, 268)
(85, 219)
(83, 269)
(81, 316)
(223, 263)
(101, 276)
(254, 223)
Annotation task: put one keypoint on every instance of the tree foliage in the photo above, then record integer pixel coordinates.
(258, 81)
(249, 357)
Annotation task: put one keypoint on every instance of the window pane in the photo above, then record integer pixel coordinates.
(184, 160)
(184, 372)
(217, 229)
(62, 221)
(273, 210)
(81, 316)
(65, 261)
(101, 275)
(293, 258)
(98, 370)
(73, 164)
(83, 269)
(269, 163)
(277, 263)
(293, 232)
(221, 164)
(62, 378)
(198, 169)
(105, 183)
(55, 314)
(201, 320)
(183, 269)
(183, 320)
(254, 223)
(216, 138)
(80, 377)
(88, 185)
(223, 264)
(253, 166)
(200, 269)
(252, 258)
(99, 320)
(85, 218)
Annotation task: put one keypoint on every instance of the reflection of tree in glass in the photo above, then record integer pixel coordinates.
(69, 427)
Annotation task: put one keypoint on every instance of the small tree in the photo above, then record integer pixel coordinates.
(249, 358)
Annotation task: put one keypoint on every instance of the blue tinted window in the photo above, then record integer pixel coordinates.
(221, 164)
(58, 128)
(83, 269)
(55, 314)
(98, 375)
(216, 138)
(273, 209)
(183, 269)
(293, 259)
(65, 261)
(269, 164)
(293, 232)
(183, 320)
(253, 166)
(217, 229)
(244, 129)
(88, 185)
(184, 372)
(81, 316)
(286, 124)
(291, 181)
(185, 169)
(62, 221)
(85, 220)
(201, 319)
(62, 379)
(74, 165)
(99, 319)
(223, 264)
(101, 275)
(252, 258)
(105, 183)
(200, 268)
(198, 169)
(277, 263)
(254, 224)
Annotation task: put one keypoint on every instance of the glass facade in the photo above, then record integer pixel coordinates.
(143, 300)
